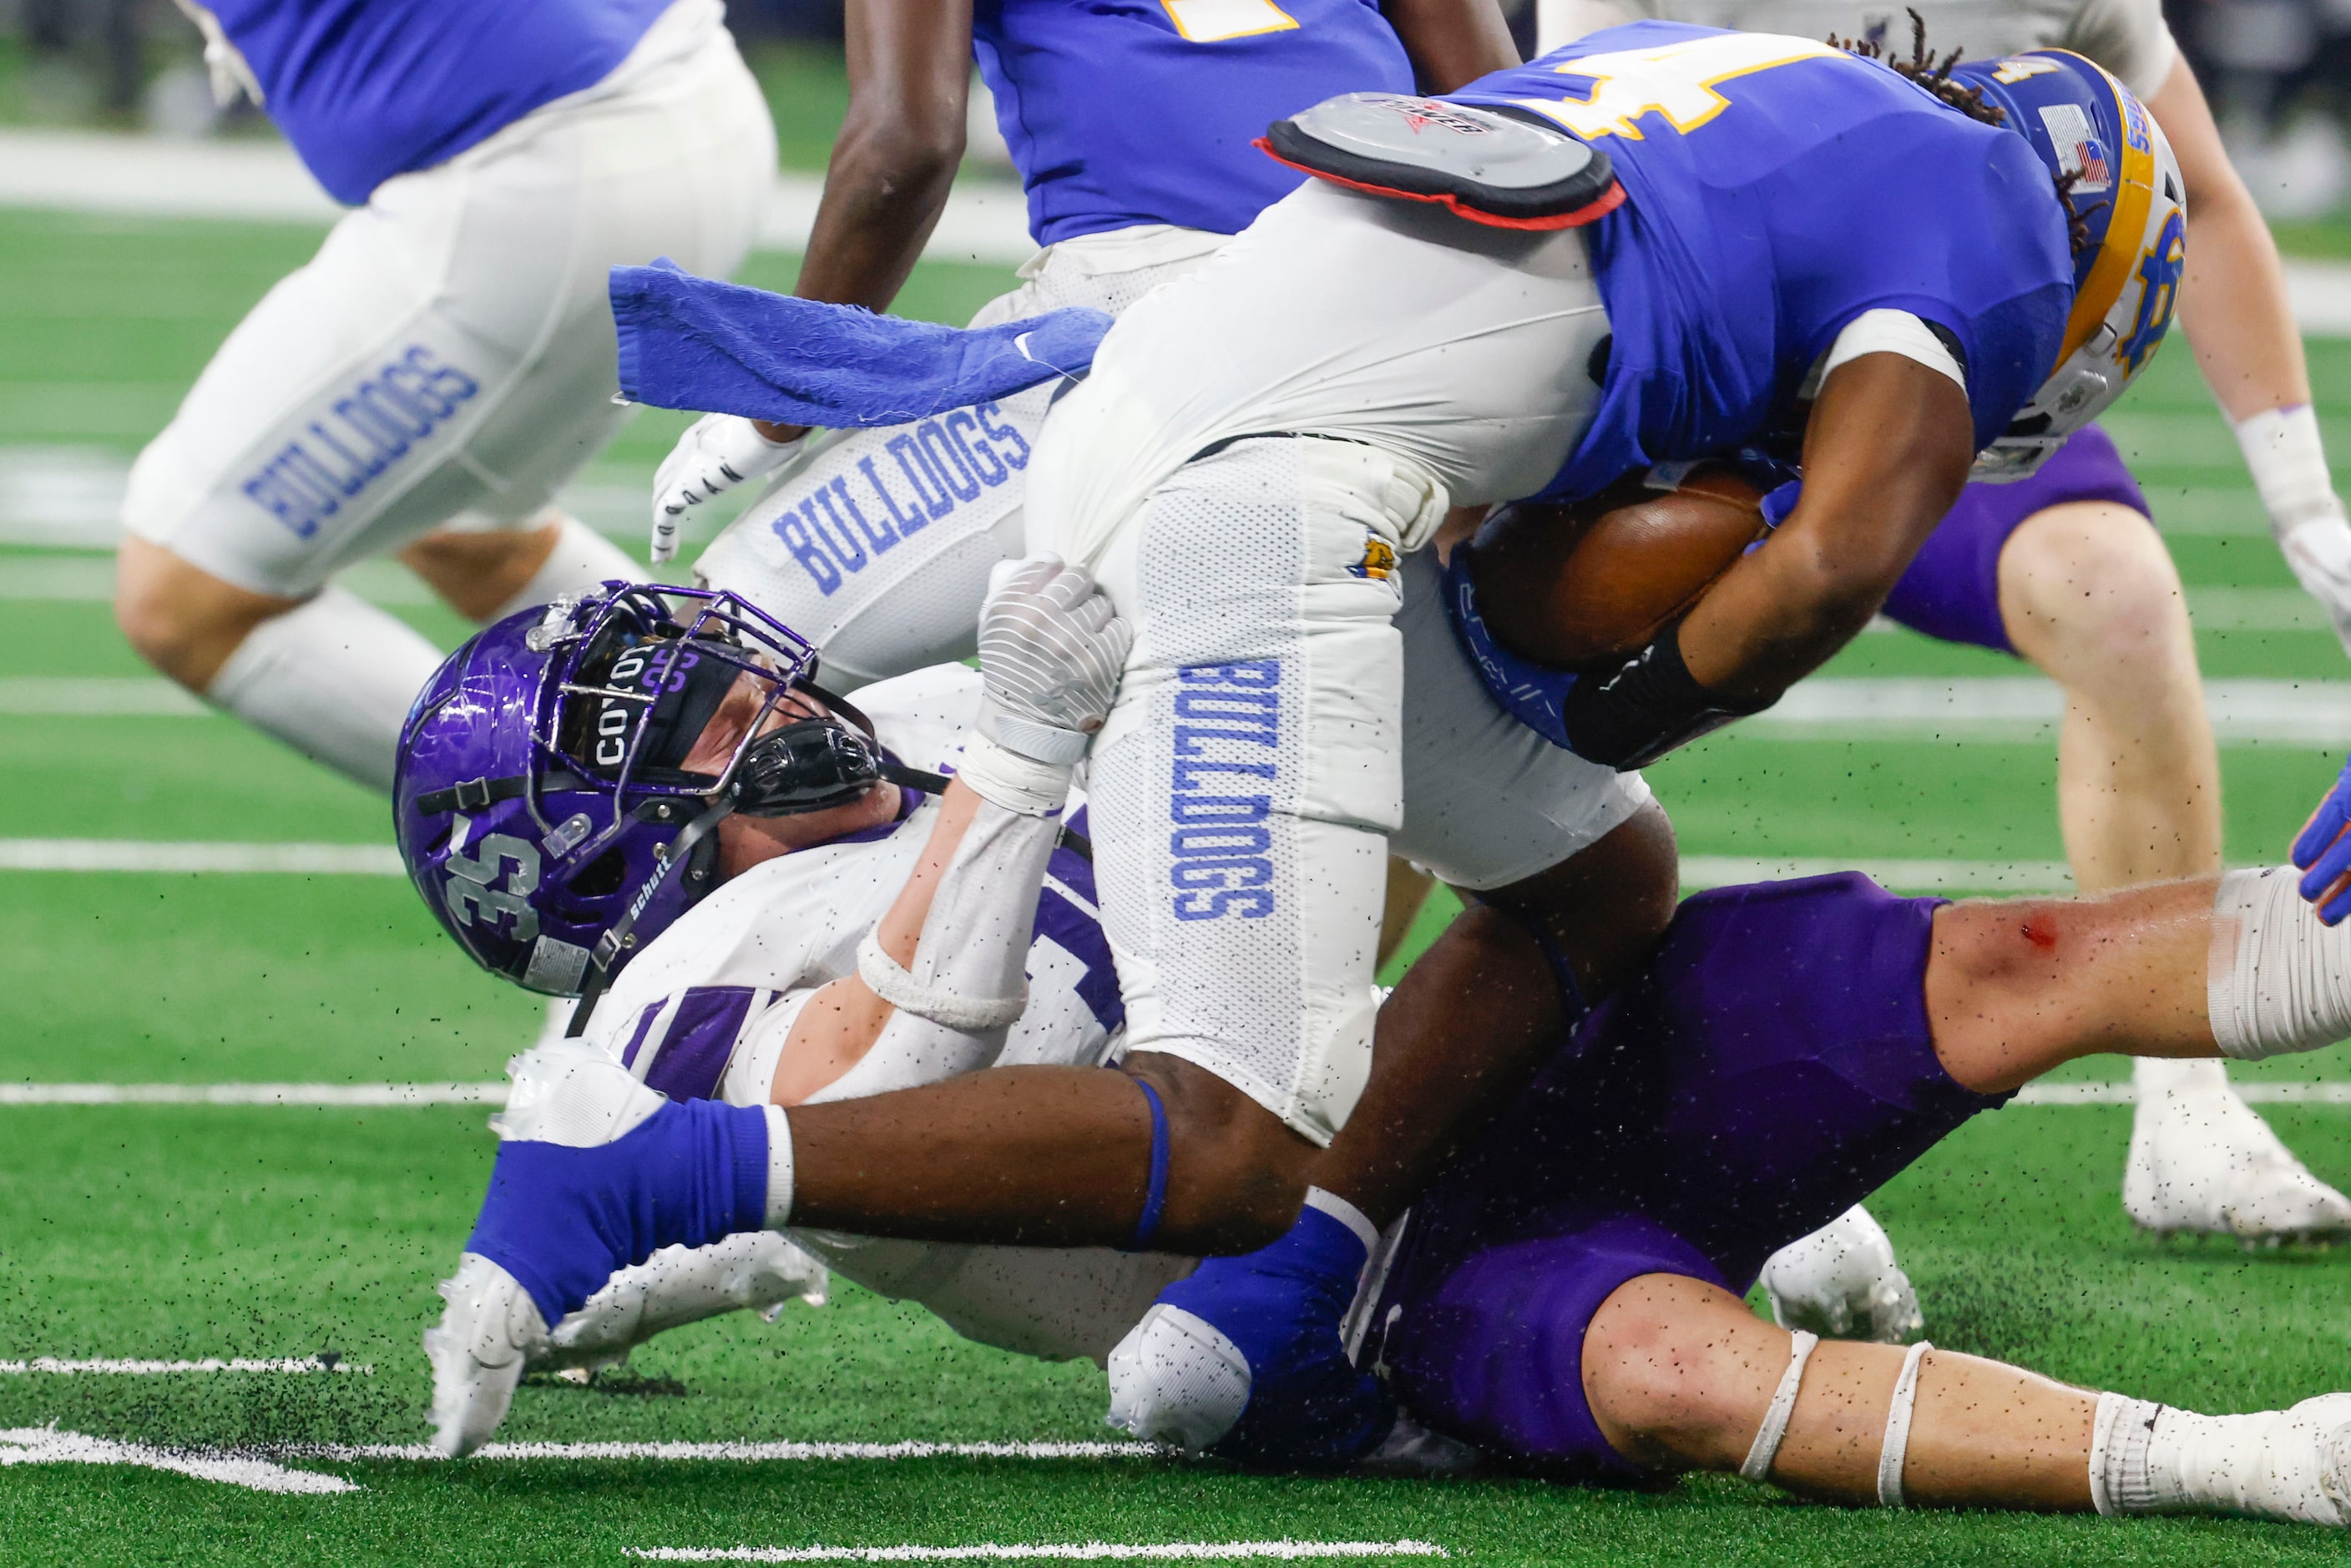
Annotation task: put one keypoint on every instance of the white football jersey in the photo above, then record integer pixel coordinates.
(718, 989)
(2126, 36)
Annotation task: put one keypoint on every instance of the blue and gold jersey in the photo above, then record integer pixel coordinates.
(1141, 111)
(1776, 188)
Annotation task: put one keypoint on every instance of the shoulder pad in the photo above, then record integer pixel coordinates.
(1491, 167)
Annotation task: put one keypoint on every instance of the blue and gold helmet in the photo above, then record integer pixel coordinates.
(2129, 218)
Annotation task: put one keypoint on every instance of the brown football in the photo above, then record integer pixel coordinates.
(1592, 582)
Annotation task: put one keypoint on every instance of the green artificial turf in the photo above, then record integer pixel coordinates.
(169, 1232)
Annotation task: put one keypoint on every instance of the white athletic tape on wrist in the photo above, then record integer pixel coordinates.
(888, 979)
(2275, 979)
(1045, 743)
(1897, 1428)
(1766, 1447)
(779, 1168)
(2288, 462)
(1005, 777)
(2119, 1438)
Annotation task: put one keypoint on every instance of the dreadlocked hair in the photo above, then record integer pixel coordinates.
(1933, 73)
(1930, 71)
(2077, 220)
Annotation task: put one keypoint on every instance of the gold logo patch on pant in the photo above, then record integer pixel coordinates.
(1379, 558)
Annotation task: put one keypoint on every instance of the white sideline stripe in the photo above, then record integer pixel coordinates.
(1700, 872)
(2123, 1093)
(739, 1453)
(327, 1094)
(50, 1365)
(263, 182)
(145, 855)
(47, 1445)
(1078, 1551)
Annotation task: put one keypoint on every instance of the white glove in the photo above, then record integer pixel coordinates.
(1842, 1283)
(2288, 460)
(718, 452)
(2320, 553)
(1050, 651)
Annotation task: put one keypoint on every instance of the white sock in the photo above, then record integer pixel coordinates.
(332, 678)
(2275, 979)
(779, 1168)
(2151, 1458)
(2118, 1446)
(582, 558)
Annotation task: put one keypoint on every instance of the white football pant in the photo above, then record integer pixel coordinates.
(448, 356)
(875, 545)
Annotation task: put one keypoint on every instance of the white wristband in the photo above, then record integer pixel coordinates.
(1005, 777)
(888, 979)
(2288, 460)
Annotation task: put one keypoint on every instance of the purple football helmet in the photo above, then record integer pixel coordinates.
(541, 803)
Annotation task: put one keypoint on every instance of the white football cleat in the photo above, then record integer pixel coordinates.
(2202, 1160)
(2329, 1418)
(1842, 1283)
(2302, 1470)
(1176, 1378)
(487, 1336)
(758, 1272)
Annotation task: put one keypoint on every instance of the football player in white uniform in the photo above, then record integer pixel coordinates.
(446, 363)
(1132, 135)
(2066, 571)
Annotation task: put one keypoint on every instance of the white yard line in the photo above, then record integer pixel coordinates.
(47, 1445)
(368, 1095)
(143, 697)
(54, 1367)
(2122, 1093)
(735, 1453)
(335, 1095)
(1904, 876)
(2026, 707)
(157, 855)
(263, 182)
(1072, 1552)
(2244, 712)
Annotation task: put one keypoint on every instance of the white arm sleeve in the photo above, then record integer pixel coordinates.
(1892, 332)
(2129, 38)
(973, 945)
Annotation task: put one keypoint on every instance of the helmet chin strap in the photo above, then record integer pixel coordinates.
(609, 946)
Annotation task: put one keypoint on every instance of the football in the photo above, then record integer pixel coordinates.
(1592, 582)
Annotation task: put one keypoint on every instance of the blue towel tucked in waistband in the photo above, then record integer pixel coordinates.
(719, 348)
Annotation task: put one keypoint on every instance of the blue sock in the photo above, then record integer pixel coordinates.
(562, 1220)
(1281, 1306)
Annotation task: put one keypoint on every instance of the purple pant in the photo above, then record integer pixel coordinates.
(1953, 589)
(1768, 1068)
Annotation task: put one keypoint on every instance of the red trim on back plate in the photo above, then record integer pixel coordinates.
(1607, 201)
